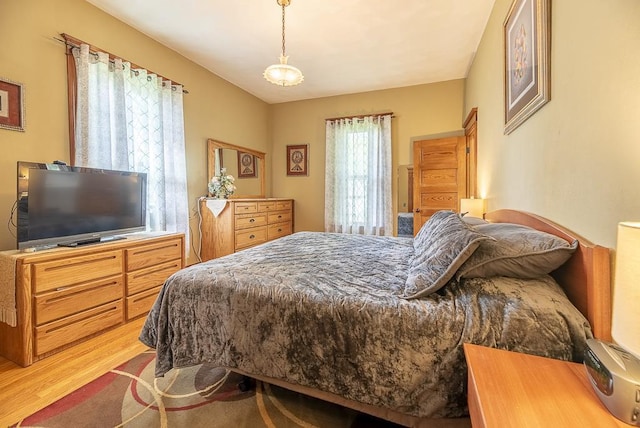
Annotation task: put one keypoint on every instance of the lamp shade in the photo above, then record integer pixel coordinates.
(472, 207)
(625, 328)
(283, 74)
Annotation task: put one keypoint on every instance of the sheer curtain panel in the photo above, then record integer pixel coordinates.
(358, 176)
(132, 120)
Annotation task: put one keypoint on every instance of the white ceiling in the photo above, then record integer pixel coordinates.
(341, 47)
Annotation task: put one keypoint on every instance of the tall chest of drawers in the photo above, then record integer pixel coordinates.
(65, 296)
(244, 223)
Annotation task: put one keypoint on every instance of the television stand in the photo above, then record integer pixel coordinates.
(90, 241)
(66, 295)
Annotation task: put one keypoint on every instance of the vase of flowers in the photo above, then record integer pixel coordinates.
(221, 186)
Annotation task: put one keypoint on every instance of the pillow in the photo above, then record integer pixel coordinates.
(473, 221)
(517, 251)
(441, 246)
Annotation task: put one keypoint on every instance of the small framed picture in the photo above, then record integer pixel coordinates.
(297, 160)
(246, 165)
(11, 105)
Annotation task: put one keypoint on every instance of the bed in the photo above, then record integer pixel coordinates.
(377, 323)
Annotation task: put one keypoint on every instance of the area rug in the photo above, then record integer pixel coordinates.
(199, 396)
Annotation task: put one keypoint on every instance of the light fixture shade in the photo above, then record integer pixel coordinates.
(625, 328)
(472, 207)
(283, 74)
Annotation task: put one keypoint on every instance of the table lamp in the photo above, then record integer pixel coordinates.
(472, 207)
(614, 369)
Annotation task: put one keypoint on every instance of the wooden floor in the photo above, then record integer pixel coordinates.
(25, 390)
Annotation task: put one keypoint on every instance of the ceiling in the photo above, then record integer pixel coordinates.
(341, 47)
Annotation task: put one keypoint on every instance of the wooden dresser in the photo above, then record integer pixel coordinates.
(66, 295)
(244, 223)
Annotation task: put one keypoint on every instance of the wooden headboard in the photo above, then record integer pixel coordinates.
(585, 278)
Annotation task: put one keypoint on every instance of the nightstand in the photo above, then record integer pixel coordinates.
(510, 389)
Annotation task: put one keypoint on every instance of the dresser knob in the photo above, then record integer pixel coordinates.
(279, 230)
(252, 220)
(252, 236)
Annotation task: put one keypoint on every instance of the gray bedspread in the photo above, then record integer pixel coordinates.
(324, 310)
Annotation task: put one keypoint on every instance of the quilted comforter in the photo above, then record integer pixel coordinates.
(326, 311)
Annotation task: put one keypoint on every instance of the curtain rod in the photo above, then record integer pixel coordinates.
(74, 42)
(362, 116)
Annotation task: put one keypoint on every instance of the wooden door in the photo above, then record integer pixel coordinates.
(471, 133)
(410, 189)
(439, 177)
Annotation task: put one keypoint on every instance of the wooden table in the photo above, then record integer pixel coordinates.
(510, 389)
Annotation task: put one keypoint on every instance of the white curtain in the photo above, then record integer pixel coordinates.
(131, 120)
(358, 176)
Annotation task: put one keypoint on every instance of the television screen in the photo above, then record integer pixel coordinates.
(64, 205)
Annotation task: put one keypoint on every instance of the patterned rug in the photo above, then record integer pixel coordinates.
(200, 396)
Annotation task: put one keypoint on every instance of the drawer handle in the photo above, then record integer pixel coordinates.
(279, 230)
(252, 220)
(103, 312)
(252, 236)
(81, 262)
(174, 266)
(169, 245)
(54, 299)
(279, 216)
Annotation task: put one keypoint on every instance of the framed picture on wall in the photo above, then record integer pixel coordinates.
(527, 72)
(246, 165)
(297, 160)
(11, 105)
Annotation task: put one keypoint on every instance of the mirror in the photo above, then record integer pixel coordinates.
(247, 166)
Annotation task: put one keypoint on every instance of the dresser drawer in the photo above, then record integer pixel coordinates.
(244, 221)
(266, 206)
(279, 216)
(283, 205)
(75, 270)
(153, 254)
(250, 237)
(278, 230)
(141, 303)
(153, 276)
(246, 207)
(67, 330)
(66, 301)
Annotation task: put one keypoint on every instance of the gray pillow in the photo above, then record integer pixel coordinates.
(517, 251)
(473, 221)
(441, 246)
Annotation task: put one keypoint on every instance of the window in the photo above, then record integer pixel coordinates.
(358, 176)
(126, 118)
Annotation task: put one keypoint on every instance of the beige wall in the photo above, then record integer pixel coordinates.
(28, 54)
(419, 111)
(577, 160)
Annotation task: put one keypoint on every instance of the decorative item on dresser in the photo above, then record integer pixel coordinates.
(243, 223)
(65, 295)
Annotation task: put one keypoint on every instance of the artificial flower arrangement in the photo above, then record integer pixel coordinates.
(221, 186)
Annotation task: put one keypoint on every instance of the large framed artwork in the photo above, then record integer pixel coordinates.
(527, 72)
(246, 165)
(11, 105)
(297, 160)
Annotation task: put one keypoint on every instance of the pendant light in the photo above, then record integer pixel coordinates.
(283, 74)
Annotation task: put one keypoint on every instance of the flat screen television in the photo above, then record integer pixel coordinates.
(69, 206)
